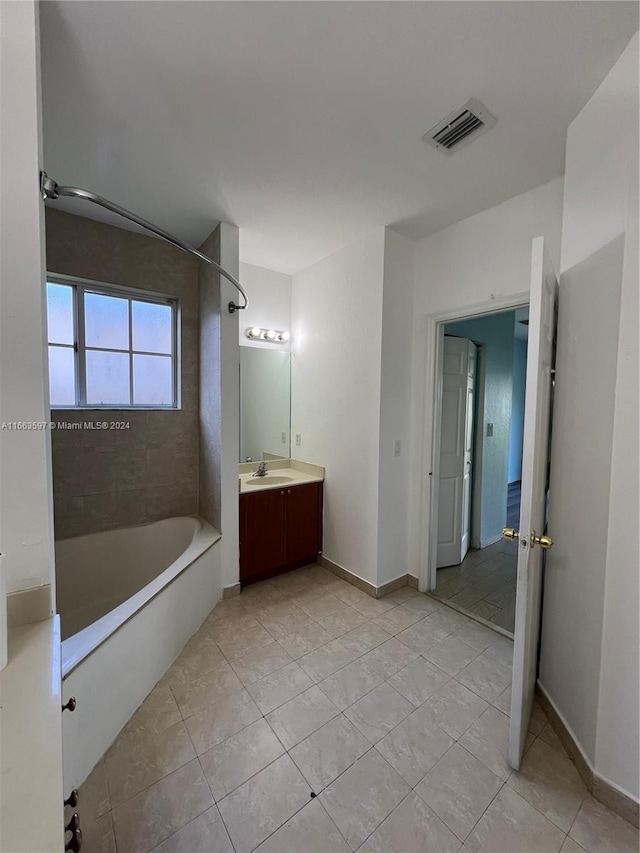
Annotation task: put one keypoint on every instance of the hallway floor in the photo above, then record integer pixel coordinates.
(484, 583)
(306, 717)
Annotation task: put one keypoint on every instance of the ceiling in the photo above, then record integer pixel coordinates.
(301, 122)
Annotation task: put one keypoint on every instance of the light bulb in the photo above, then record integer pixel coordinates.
(255, 332)
(285, 336)
(271, 334)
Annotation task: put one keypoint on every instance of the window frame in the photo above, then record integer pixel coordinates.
(81, 286)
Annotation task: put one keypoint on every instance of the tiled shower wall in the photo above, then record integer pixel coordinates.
(105, 480)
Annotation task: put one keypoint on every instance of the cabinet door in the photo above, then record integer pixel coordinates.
(261, 532)
(303, 520)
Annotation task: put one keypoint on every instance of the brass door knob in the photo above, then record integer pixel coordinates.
(510, 533)
(545, 542)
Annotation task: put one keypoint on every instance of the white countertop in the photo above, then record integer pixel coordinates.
(31, 793)
(281, 475)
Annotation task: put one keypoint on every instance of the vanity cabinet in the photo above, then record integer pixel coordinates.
(280, 530)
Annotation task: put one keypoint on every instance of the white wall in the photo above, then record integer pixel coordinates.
(269, 303)
(395, 407)
(589, 663)
(489, 253)
(335, 405)
(486, 255)
(26, 520)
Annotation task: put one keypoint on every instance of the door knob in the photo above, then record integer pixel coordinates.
(74, 823)
(545, 542)
(510, 533)
(73, 800)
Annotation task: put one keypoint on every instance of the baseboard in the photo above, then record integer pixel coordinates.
(28, 605)
(492, 541)
(615, 799)
(599, 787)
(349, 577)
(231, 591)
(391, 586)
(366, 586)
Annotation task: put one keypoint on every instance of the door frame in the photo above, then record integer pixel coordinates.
(433, 337)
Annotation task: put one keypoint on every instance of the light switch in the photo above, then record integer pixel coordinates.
(397, 447)
(489, 430)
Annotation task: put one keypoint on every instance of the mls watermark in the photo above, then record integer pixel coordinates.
(36, 426)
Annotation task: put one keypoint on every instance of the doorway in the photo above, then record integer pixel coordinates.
(482, 381)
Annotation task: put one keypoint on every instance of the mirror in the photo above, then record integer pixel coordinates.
(265, 404)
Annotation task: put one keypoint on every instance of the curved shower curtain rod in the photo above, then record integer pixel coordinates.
(50, 189)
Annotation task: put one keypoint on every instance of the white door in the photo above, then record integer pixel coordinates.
(456, 446)
(535, 464)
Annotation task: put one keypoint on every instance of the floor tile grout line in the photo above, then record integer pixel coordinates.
(370, 620)
(157, 781)
(534, 806)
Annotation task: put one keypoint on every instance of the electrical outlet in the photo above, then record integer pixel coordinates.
(284, 437)
(489, 430)
(397, 447)
(298, 439)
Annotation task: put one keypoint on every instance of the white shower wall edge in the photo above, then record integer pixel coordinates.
(113, 680)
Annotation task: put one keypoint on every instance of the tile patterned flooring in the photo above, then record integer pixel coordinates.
(484, 583)
(307, 717)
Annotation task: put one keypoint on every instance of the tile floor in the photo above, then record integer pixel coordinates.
(484, 583)
(307, 717)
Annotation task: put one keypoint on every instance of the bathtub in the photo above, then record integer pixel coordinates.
(128, 600)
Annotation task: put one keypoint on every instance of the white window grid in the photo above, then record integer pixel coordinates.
(79, 347)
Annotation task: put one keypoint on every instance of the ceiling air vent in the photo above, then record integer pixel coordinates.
(460, 127)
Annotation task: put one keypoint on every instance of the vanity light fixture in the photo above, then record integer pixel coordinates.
(272, 336)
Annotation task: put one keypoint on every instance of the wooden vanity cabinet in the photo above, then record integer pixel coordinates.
(280, 530)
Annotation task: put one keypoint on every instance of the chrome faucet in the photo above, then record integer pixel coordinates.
(262, 470)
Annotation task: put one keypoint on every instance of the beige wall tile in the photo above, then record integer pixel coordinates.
(95, 471)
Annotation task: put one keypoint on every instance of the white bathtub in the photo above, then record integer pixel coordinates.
(129, 600)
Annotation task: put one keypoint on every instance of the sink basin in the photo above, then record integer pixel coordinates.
(268, 480)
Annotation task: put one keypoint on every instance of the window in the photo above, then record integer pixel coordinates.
(110, 347)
